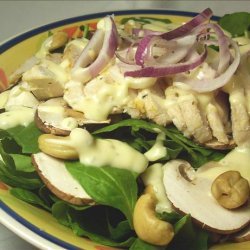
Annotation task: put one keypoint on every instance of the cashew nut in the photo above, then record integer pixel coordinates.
(59, 39)
(147, 226)
(230, 189)
(57, 146)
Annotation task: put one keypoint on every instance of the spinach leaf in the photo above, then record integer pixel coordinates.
(118, 232)
(26, 137)
(29, 197)
(12, 173)
(237, 23)
(187, 237)
(172, 217)
(177, 144)
(108, 186)
(23, 163)
(92, 222)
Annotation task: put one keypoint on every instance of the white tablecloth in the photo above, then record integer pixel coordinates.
(20, 16)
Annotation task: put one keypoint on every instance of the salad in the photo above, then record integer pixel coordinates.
(136, 134)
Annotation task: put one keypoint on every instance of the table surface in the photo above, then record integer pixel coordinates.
(19, 16)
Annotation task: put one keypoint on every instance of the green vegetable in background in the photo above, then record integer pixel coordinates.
(144, 20)
(237, 23)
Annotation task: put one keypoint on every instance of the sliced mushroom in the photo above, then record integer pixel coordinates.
(55, 117)
(243, 235)
(190, 194)
(51, 117)
(59, 181)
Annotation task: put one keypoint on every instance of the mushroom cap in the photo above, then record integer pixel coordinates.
(190, 194)
(59, 181)
(242, 236)
(55, 117)
(50, 116)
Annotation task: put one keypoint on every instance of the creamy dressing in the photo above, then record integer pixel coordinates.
(44, 49)
(154, 176)
(103, 94)
(106, 152)
(158, 150)
(238, 160)
(18, 96)
(18, 116)
(98, 99)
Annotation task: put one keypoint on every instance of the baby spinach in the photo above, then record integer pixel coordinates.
(177, 144)
(14, 172)
(108, 186)
(23, 163)
(29, 197)
(237, 23)
(187, 236)
(93, 222)
(26, 137)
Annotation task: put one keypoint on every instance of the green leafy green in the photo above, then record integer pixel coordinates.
(108, 186)
(172, 217)
(177, 144)
(145, 20)
(26, 137)
(85, 29)
(29, 197)
(93, 222)
(11, 171)
(23, 163)
(187, 237)
(237, 23)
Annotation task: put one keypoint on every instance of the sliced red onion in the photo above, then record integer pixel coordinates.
(90, 52)
(207, 85)
(124, 56)
(189, 26)
(223, 47)
(106, 52)
(168, 70)
(143, 48)
(177, 50)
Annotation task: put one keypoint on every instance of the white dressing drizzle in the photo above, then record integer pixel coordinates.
(106, 152)
(158, 150)
(18, 116)
(238, 160)
(154, 176)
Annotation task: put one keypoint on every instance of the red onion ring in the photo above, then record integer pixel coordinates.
(189, 26)
(106, 52)
(168, 70)
(207, 85)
